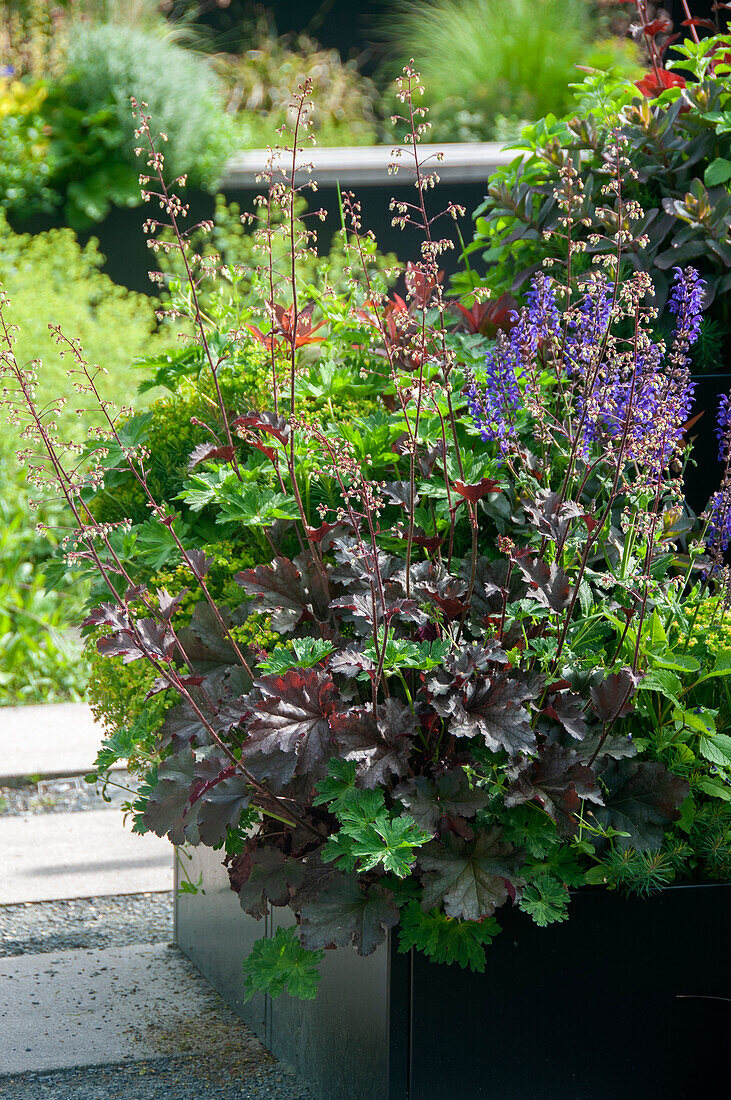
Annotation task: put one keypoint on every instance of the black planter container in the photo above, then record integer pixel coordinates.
(628, 999)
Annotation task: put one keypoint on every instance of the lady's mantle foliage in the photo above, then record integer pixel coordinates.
(482, 595)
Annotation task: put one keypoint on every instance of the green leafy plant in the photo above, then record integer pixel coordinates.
(489, 65)
(466, 671)
(680, 139)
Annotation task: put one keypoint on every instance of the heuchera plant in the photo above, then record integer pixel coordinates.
(485, 689)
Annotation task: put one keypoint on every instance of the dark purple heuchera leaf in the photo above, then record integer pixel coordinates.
(167, 804)
(558, 780)
(552, 517)
(152, 639)
(477, 490)
(204, 641)
(381, 745)
(399, 492)
(210, 450)
(550, 585)
(358, 567)
(566, 708)
(612, 697)
(107, 614)
(275, 769)
(272, 879)
(161, 684)
(641, 798)
(615, 745)
(317, 877)
(471, 879)
(370, 609)
(448, 795)
(431, 581)
(199, 562)
(120, 644)
(277, 588)
(220, 805)
(346, 912)
(351, 661)
(182, 724)
(291, 714)
(491, 579)
(168, 604)
(468, 662)
(289, 590)
(326, 534)
(492, 710)
(270, 422)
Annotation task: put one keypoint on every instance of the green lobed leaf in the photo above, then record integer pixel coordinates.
(444, 939)
(304, 653)
(281, 964)
(545, 899)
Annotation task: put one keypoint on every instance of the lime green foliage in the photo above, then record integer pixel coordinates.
(24, 167)
(49, 278)
(117, 696)
(711, 627)
(41, 656)
(166, 430)
(487, 64)
(282, 965)
(444, 939)
(261, 82)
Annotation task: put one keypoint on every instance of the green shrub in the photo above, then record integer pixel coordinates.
(680, 148)
(24, 168)
(487, 64)
(49, 278)
(92, 126)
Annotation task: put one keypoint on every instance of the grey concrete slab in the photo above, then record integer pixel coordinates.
(122, 1004)
(51, 739)
(79, 855)
(353, 165)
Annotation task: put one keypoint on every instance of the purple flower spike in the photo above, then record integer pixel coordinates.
(686, 302)
(492, 410)
(723, 429)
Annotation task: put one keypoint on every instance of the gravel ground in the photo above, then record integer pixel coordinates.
(162, 1079)
(64, 796)
(32, 928)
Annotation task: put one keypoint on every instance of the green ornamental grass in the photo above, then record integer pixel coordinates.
(487, 61)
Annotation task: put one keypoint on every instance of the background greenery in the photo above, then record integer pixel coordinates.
(50, 279)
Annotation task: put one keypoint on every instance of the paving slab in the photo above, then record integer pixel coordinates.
(50, 739)
(122, 1004)
(79, 855)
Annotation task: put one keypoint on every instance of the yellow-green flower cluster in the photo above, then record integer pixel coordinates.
(710, 627)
